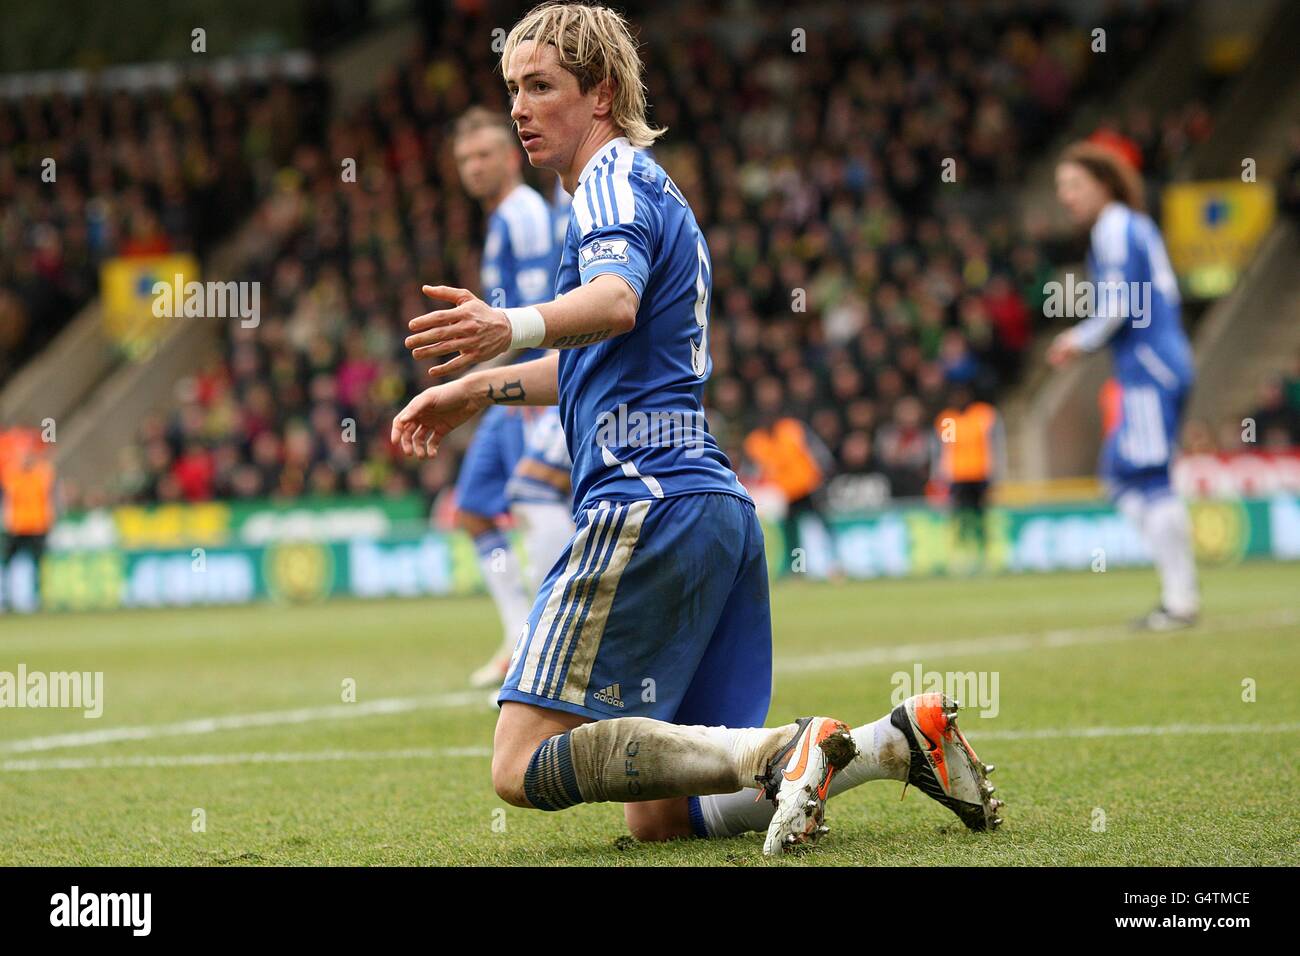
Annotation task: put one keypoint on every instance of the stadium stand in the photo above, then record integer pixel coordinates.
(904, 296)
(135, 172)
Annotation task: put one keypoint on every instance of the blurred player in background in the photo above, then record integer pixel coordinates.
(513, 464)
(1152, 359)
(645, 673)
(970, 454)
(540, 488)
(540, 498)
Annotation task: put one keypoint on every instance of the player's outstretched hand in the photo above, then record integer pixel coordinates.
(1062, 351)
(471, 327)
(420, 427)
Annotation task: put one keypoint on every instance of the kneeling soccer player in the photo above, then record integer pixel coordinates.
(645, 670)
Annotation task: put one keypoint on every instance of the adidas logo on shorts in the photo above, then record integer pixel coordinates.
(609, 695)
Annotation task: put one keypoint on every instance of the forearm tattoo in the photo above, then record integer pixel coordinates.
(586, 338)
(510, 392)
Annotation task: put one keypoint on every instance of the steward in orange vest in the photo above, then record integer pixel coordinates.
(26, 503)
(789, 455)
(971, 449)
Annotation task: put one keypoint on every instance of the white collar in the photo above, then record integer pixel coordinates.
(601, 154)
(513, 192)
(1112, 208)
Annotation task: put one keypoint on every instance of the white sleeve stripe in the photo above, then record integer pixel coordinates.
(605, 196)
(624, 198)
(583, 210)
(1092, 333)
(1110, 239)
(594, 197)
(1152, 362)
(602, 217)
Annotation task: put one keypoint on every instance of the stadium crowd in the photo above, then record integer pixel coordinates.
(115, 172)
(848, 291)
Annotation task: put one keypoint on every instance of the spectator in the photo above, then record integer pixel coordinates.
(1277, 423)
(903, 450)
(809, 176)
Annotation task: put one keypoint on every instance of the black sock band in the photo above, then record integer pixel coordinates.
(550, 782)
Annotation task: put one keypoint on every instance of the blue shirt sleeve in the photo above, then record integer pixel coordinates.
(527, 240)
(1112, 257)
(623, 248)
(534, 279)
(497, 273)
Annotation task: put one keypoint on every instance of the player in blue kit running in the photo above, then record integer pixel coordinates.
(645, 672)
(1136, 314)
(505, 470)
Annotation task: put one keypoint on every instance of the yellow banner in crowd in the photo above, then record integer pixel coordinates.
(1212, 229)
(126, 289)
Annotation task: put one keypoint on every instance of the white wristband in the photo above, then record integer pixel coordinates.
(527, 327)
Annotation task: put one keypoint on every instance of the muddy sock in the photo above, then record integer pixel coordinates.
(635, 758)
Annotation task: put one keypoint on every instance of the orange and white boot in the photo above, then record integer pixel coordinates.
(944, 766)
(798, 779)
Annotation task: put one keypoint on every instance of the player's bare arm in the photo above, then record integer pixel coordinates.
(604, 307)
(1063, 350)
(420, 427)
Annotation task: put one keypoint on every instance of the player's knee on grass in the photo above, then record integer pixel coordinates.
(508, 779)
(522, 729)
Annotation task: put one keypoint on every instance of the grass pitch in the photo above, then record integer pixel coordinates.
(1112, 747)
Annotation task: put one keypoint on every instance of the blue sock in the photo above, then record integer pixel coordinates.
(489, 541)
(698, 827)
(550, 782)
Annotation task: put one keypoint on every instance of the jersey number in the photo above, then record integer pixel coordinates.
(700, 350)
(671, 189)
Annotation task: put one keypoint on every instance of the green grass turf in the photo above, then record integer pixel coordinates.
(1182, 798)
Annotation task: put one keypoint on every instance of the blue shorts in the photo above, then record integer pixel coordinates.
(495, 449)
(1137, 454)
(657, 608)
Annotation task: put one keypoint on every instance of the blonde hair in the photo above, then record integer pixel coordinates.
(480, 117)
(594, 44)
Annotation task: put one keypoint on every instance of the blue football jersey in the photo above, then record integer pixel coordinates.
(561, 209)
(1150, 348)
(632, 405)
(520, 255)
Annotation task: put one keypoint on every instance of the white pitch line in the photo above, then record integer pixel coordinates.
(908, 653)
(273, 718)
(1158, 730)
(428, 753)
(215, 760)
(1005, 643)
